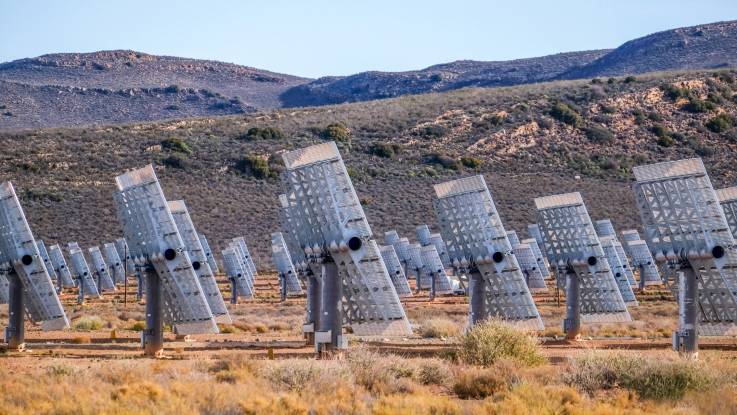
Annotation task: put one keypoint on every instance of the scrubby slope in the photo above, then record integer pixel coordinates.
(399, 148)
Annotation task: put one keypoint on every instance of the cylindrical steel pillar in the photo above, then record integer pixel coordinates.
(572, 323)
(331, 317)
(15, 332)
(476, 294)
(153, 335)
(687, 337)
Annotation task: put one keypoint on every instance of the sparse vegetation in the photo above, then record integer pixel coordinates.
(255, 166)
(439, 328)
(176, 145)
(719, 123)
(386, 150)
(563, 113)
(267, 133)
(88, 323)
(598, 134)
(337, 132)
(491, 341)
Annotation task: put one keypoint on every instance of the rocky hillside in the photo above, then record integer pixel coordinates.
(699, 47)
(529, 141)
(126, 86)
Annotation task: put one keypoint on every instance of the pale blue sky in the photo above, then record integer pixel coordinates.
(315, 38)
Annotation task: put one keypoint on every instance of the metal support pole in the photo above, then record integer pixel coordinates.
(233, 291)
(139, 288)
(58, 282)
(432, 286)
(476, 293)
(572, 323)
(125, 276)
(283, 287)
(313, 306)
(80, 295)
(15, 332)
(686, 339)
(642, 278)
(331, 318)
(153, 335)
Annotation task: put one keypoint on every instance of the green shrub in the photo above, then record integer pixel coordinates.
(268, 133)
(673, 92)
(433, 372)
(177, 145)
(470, 162)
(696, 105)
(439, 328)
(386, 150)
(598, 134)
(651, 377)
(337, 132)
(720, 123)
(88, 323)
(172, 89)
(666, 141)
(138, 326)
(630, 79)
(492, 340)
(443, 160)
(175, 160)
(255, 166)
(433, 131)
(565, 114)
(654, 116)
(479, 383)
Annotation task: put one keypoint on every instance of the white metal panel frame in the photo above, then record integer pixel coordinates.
(327, 216)
(101, 269)
(18, 249)
(283, 263)
(81, 270)
(56, 255)
(571, 240)
(396, 272)
(153, 239)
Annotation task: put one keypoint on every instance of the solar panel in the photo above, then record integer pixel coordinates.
(685, 224)
(104, 280)
(394, 267)
(236, 272)
(81, 272)
(283, 263)
(592, 293)
(534, 230)
(630, 235)
(154, 240)
(295, 251)
(208, 253)
(542, 262)
(47, 264)
(604, 227)
(246, 255)
(513, 238)
(617, 266)
(476, 240)
(60, 266)
(530, 267)
(643, 260)
(115, 265)
(330, 224)
(415, 266)
(434, 269)
(30, 286)
(201, 266)
(240, 254)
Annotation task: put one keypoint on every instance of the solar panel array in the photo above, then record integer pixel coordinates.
(154, 240)
(116, 267)
(684, 221)
(197, 256)
(47, 263)
(530, 267)
(248, 278)
(618, 267)
(572, 242)
(542, 262)
(208, 253)
(60, 266)
(104, 280)
(81, 271)
(237, 271)
(327, 216)
(283, 262)
(18, 250)
(434, 270)
(475, 238)
(396, 272)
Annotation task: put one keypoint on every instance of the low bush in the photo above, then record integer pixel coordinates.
(443, 160)
(720, 123)
(651, 377)
(177, 145)
(176, 161)
(439, 328)
(565, 114)
(88, 323)
(433, 131)
(337, 132)
(470, 162)
(696, 105)
(386, 150)
(492, 340)
(479, 383)
(268, 133)
(673, 92)
(598, 134)
(255, 166)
